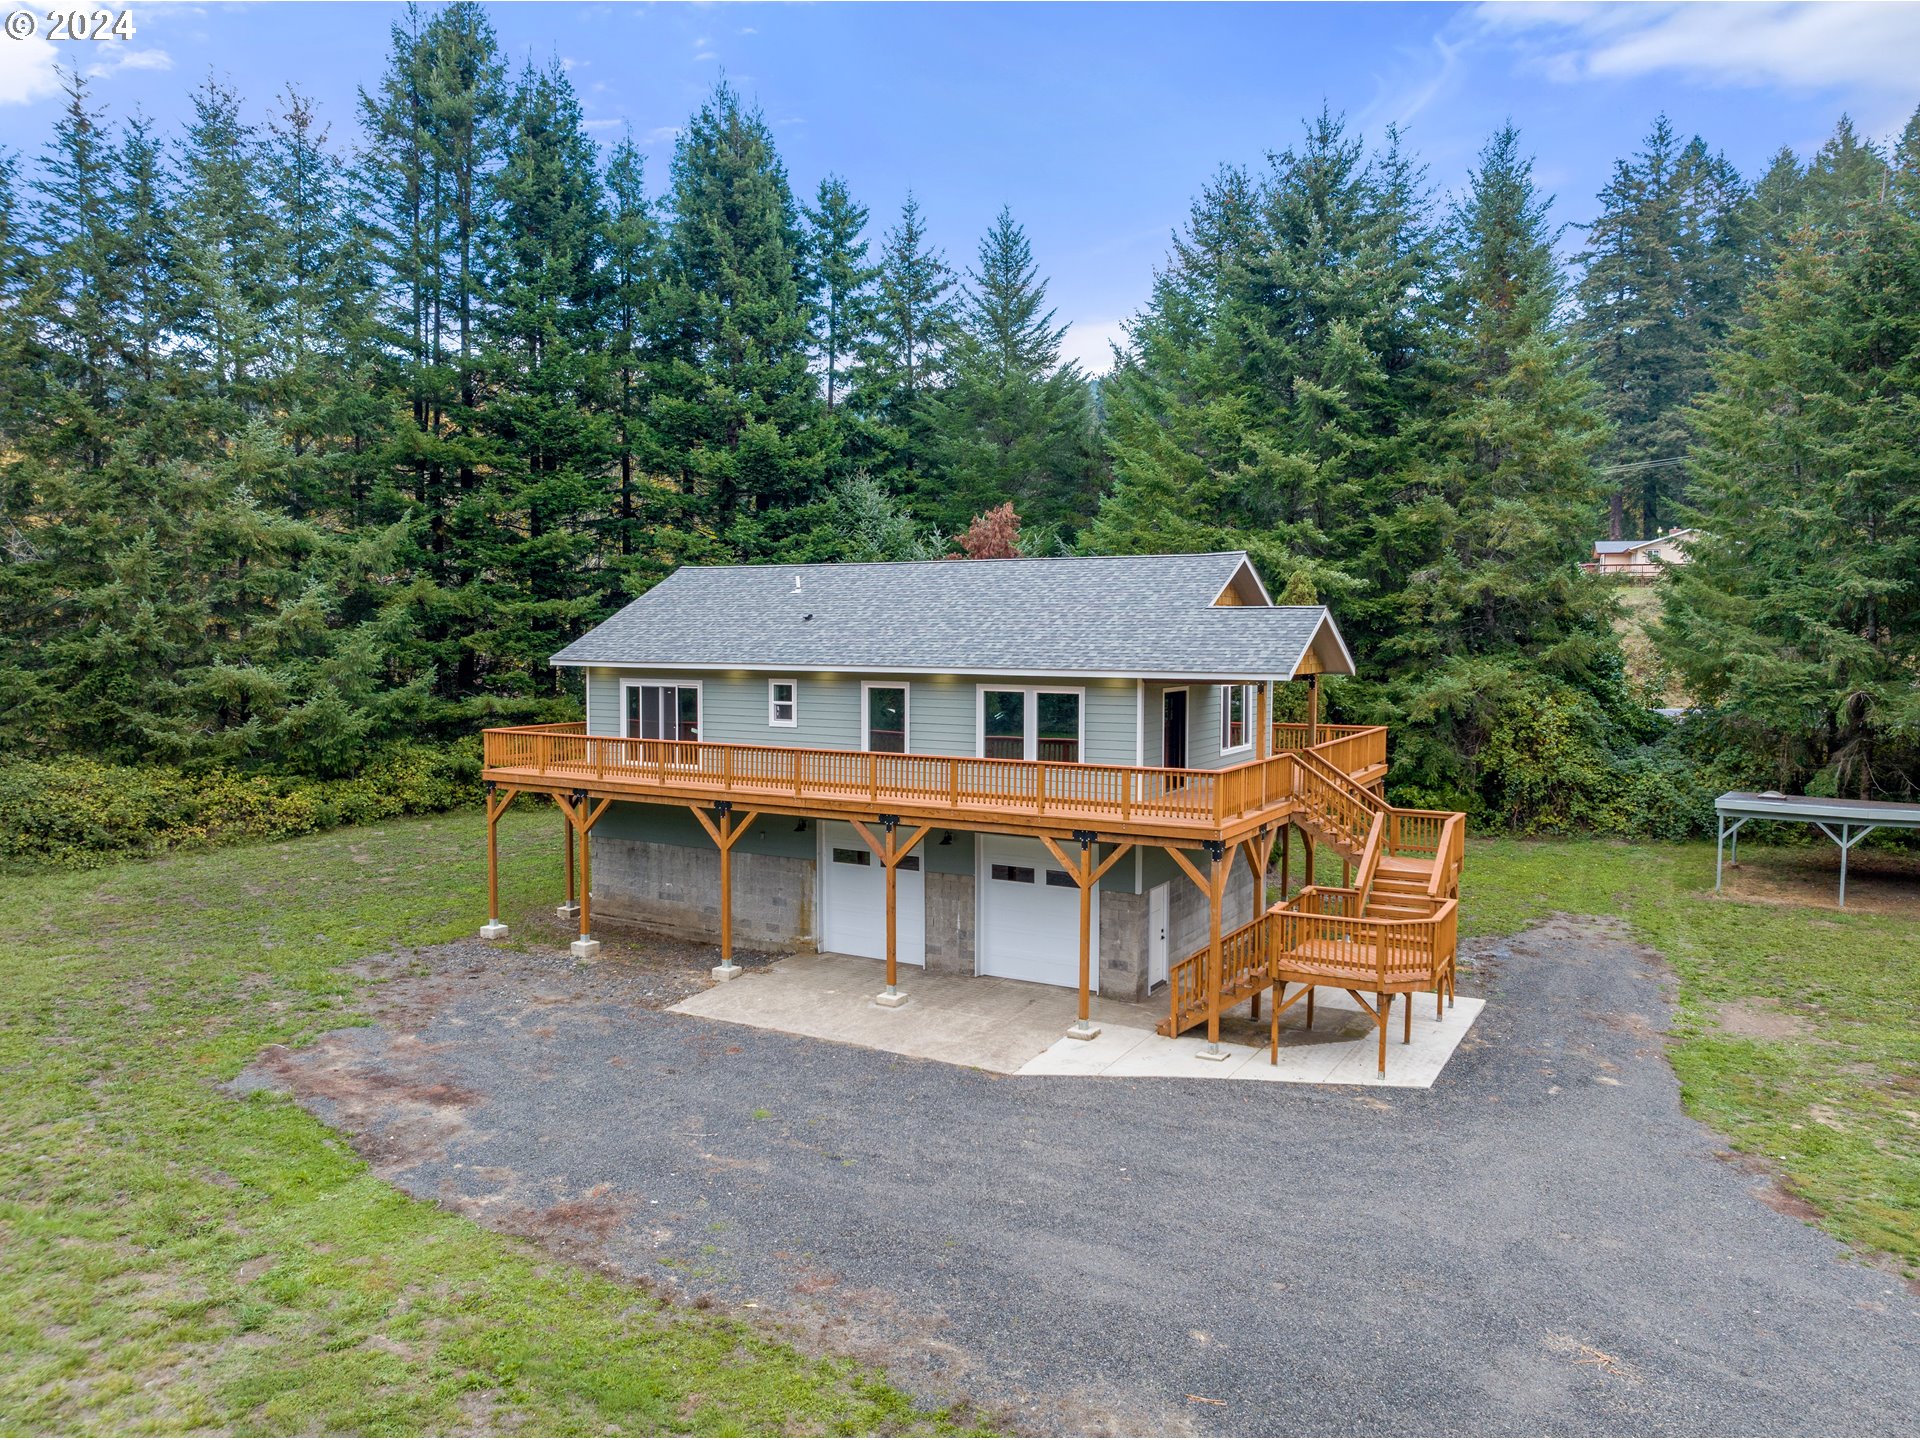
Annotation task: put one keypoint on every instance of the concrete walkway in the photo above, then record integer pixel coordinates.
(1010, 1027)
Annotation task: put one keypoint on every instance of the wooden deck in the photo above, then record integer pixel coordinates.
(1023, 796)
(1322, 779)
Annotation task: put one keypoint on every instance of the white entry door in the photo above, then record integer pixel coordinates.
(853, 898)
(1030, 915)
(1157, 900)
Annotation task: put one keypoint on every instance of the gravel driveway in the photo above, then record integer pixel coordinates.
(1541, 1243)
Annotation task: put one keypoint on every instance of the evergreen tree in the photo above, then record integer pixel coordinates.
(632, 278)
(531, 528)
(1661, 290)
(1012, 423)
(842, 280)
(903, 364)
(740, 417)
(1493, 605)
(1798, 616)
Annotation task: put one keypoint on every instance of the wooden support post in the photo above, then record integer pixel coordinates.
(1087, 870)
(1309, 876)
(1263, 747)
(569, 910)
(725, 829)
(497, 802)
(582, 816)
(1313, 708)
(1216, 893)
(1286, 859)
(891, 853)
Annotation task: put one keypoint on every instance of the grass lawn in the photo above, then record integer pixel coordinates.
(175, 1259)
(172, 1258)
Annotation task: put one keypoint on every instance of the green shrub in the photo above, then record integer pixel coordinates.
(74, 813)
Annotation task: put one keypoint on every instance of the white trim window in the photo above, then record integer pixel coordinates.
(1030, 722)
(1236, 718)
(883, 715)
(783, 704)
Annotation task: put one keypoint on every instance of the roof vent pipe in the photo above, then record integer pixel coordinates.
(796, 584)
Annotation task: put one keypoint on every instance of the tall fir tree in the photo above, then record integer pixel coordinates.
(533, 523)
(1012, 422)
(1661, 289)
(903, 364)
(742, 427)
(633, 278)
(842, 282)
(1797, 618)
(1493, 614)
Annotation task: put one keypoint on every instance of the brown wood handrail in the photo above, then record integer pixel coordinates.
(1033, 787)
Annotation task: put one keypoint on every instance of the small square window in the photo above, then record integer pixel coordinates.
(852, 857)
(1060, 879)
(1018, 874)
(783, 703)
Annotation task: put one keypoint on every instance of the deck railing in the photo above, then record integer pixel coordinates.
(1127, 793)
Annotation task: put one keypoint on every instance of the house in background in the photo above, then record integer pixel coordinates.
(1640, 559)
(1039, 769)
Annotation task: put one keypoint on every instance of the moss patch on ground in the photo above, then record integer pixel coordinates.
(175, 1259)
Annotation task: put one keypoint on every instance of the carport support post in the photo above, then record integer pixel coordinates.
(891, 853)
(1086, 874)
(1216, 892)
(568, 911)
(725, 830)
(582, 816)
(493, 929)
(1846, 840)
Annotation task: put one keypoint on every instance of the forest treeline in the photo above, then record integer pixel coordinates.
(319, 434)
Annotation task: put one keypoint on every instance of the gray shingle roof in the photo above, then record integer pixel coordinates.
(1145, 615)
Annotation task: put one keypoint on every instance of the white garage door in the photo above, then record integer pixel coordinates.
(1030, 915)
(853, 899)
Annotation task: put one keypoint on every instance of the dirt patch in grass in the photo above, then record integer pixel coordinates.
(1759, 1020)
(1878, 882)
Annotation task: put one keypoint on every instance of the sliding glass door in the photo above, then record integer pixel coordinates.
(663, 712)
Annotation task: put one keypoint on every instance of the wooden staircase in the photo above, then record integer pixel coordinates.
(1407, 870)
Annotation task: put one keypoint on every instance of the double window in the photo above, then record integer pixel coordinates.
(1030, 723)
(1236, 718)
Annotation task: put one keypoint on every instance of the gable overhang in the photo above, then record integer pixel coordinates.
(1325, 653)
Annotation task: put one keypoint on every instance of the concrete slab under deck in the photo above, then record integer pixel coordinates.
(1012, 1027)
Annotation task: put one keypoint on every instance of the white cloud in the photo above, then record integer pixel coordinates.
(26, 68)
(1091, 343)
(1790, 42)
(117, 60)
(661, 134)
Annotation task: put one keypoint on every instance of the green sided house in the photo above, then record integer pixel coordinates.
(1041, 769)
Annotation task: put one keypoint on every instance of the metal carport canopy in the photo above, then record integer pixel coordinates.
(1856, 818)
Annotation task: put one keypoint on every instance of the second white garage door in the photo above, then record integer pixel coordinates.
(1030, 915)
(853, 899)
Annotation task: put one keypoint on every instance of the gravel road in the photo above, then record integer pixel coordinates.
(1543, 1243)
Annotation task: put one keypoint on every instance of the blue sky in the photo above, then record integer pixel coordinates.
(1096, 123)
